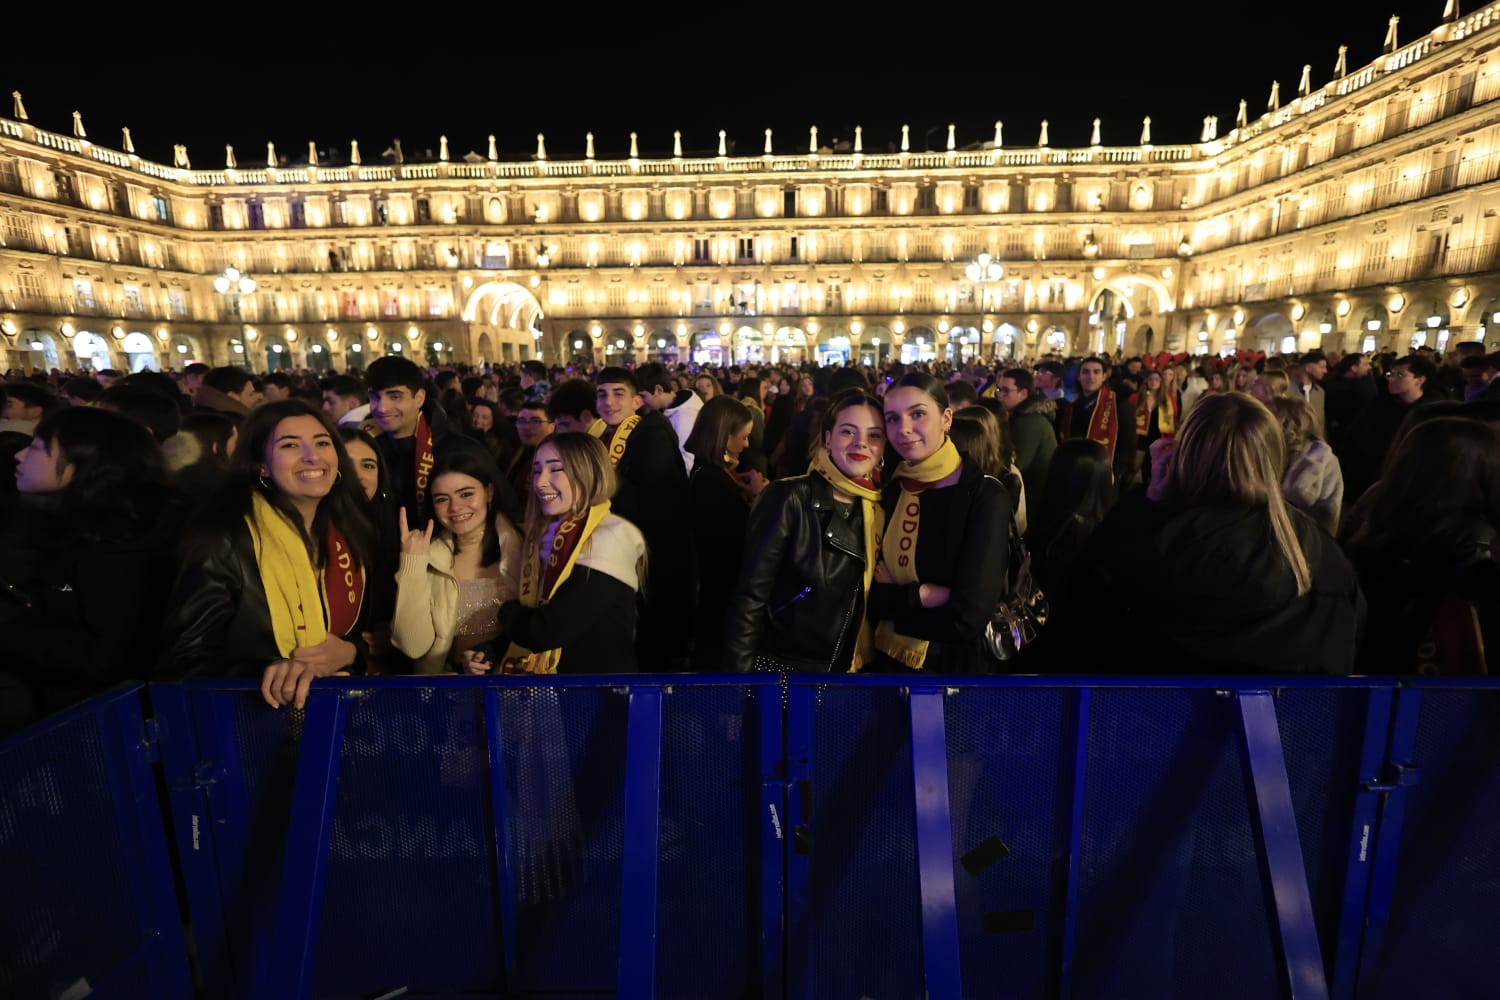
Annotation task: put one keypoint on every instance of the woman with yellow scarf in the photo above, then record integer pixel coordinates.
(581, 567)
(943, 558)
(810, 553)
(273, 580)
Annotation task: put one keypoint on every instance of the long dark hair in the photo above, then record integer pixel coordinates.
(345, 505)
(1080, 486)
(720, 418)
(1444, 474)
(117, 466)
(467, 457)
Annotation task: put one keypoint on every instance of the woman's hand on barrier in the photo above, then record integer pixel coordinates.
(327, 657)
(286, 682)
(415, 542)
(473, 662)
(933, 595)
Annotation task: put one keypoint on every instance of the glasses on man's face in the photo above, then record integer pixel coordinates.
(1398, 373)
(531, 421)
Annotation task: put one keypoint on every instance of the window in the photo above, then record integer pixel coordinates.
(700, 251)
(28, 285)
(255, 215)
(341, 212)
(83, 293)
(382, 211)
(164, 209)
(882, 200)
(746, 247)
(176, 303)
(215, 216)
(789, 204)
(791, 250)
(132, 295)
(299, 215)
(65, 188)
(390, 304)
(349, 305)
(19, 231)
(424, 210)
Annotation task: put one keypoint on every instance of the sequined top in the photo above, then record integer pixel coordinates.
(478, 609)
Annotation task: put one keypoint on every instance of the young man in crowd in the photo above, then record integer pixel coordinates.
(1032, 429)
(410, 425)
(653, 495)
(1104, 415)
(680, 407)
(345, 400)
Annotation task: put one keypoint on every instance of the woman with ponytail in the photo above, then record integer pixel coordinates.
(810, 553)
(1229, 577)
(946, 546)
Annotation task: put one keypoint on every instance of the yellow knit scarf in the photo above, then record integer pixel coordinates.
(617, 441)
(569, 540)
(874, 522)
(898, 550)
(292, 590)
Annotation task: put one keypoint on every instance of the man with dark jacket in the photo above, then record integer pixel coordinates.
(1032, 431)
(653, 495)
(1104, 415)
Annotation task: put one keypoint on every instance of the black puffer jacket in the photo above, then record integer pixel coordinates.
(1213, 593)
(801, 590)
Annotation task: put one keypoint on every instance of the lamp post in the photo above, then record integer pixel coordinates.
(234, 284)
(981, 272)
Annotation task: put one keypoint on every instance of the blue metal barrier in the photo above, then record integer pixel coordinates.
(1122, 837)
(652, 836)
(85, 878)
(480, 837)
(1435, 893)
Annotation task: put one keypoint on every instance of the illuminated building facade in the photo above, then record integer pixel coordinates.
(1358, 215)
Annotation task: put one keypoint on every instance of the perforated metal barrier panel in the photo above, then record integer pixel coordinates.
(701, 837)
(86, 893)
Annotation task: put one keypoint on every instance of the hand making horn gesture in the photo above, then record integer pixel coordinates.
(415, 542)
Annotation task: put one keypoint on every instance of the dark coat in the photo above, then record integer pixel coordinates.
(1406, 581)
(84, 593)
(719, 515)
(1210, 590)
(218, 622)
(963, 543)
(653, 495)
(802, 586)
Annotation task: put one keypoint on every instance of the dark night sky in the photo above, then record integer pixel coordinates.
(653, 70)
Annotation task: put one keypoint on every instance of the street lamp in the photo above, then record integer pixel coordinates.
(234, 284)
(982, 271)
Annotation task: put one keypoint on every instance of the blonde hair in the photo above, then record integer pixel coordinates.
(1299, 424)
(1230, 447)
(586, 463)
(1275, 383)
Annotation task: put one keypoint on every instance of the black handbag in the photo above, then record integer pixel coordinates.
(1022, 611)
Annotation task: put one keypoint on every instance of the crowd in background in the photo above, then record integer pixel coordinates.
(1285, 514)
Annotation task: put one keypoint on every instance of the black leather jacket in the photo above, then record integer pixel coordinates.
(218, 623)
(802, 583)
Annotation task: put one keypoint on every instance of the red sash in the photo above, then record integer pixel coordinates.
(1104, 425)
(343, 585)
(424, 456)
(569, 533)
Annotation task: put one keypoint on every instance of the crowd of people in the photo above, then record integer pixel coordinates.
(1297, 514)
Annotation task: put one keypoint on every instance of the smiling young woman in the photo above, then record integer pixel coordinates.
(582, 567)
(273, 578)
(810, 554)
(944, 553)
(458, 564)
